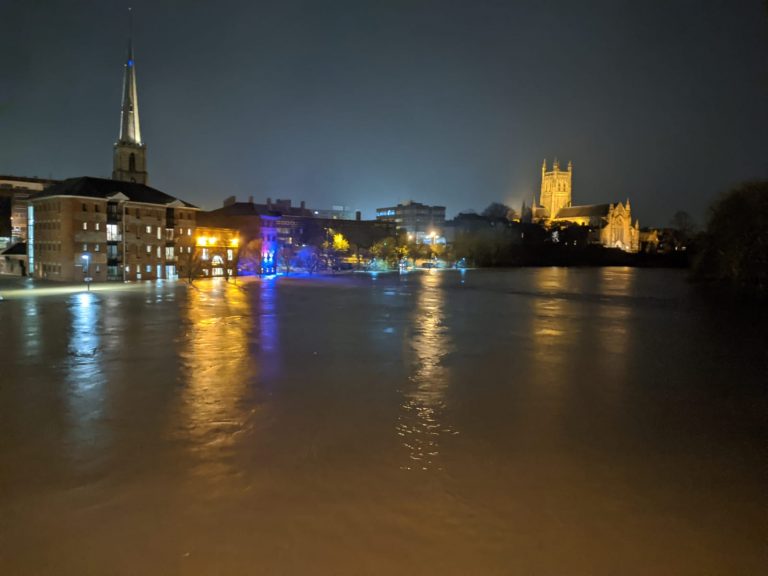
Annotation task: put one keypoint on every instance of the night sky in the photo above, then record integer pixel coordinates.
(366, 103)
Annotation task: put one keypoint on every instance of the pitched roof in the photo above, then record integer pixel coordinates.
(104, 188)
(18, 249)
(586, 211)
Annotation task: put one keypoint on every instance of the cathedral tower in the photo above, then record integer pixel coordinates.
(555, 188)
(130, 153)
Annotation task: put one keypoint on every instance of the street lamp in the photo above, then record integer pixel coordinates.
(86, 261)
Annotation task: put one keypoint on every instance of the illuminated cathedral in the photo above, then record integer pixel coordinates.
(611, 223)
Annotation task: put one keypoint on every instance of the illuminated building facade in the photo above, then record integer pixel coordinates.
(611, 224)
(217, 252)
(421, 222)
(108, 230)
(556, 189)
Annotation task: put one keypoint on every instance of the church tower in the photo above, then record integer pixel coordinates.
(130, 153)
(556, 188)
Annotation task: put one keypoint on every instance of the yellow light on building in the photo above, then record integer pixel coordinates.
(202, 240)
(234, 242)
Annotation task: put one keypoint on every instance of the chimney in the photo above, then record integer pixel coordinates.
(358, 215)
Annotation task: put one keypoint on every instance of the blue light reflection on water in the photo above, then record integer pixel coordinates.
(268, 315)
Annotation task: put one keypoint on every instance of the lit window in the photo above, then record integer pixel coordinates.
(149, 229)
(159, 233)
(85, 225)
(149, 249)
(205, 254)
(98, 226)
(229, 254)
(85, 247)
(158, 251)
(96, 247)
(189, 231)
(149, 268)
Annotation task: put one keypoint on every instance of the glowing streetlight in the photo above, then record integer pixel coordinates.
(86, 261)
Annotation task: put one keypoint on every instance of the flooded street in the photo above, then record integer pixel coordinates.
(534, 421)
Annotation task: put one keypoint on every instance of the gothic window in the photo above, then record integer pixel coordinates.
(132, 162)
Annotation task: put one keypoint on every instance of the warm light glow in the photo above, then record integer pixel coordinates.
(202, 240)
(234, 242)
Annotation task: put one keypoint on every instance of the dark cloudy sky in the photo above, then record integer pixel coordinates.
(369, 102)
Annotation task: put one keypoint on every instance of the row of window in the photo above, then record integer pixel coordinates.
(48, 207)
(51, 268)
(40, 247)
(48, 225)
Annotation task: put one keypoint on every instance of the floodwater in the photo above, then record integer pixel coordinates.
(535, 421)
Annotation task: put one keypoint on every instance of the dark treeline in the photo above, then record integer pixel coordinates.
(732, 253)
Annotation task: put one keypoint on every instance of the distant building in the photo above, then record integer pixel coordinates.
(108, 230)
(421, 222)
(611, 224)
(216, 253)
(15, 192)
(275, 233)
(337, 213)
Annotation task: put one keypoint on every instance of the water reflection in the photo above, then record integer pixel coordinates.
(614, 312)
(30, 328)
(268, 315)
(217, 368)
(549, 311)
(84, 374)
(421, 421)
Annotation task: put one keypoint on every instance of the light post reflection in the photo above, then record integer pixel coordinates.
(30, 328)
(420, 423)
(85, 394)
(217, 368)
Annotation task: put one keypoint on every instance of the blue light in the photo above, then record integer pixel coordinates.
(130, 63)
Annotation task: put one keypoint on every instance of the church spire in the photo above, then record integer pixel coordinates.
(129, 159)
(130, 132)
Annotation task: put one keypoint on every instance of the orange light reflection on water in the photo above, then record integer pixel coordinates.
(420, 423)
